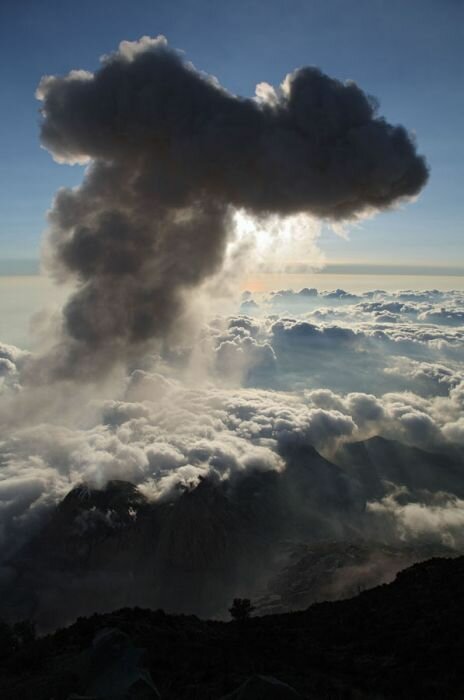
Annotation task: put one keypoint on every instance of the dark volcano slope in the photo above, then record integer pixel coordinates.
(402, 640)
(103, 549)
(100, 550)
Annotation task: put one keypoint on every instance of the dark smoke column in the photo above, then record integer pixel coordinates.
(170, 154)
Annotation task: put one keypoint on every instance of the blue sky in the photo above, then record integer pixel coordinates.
(409, 54)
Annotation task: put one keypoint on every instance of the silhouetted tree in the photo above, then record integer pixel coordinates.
(241, 609)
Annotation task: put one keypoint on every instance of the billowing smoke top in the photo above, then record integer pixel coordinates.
(171, 154)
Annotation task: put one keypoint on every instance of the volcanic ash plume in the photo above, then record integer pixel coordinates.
(171, 155)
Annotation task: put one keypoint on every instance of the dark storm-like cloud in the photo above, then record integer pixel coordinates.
(171, 154)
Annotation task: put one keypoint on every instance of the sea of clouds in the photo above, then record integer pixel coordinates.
(290, 368)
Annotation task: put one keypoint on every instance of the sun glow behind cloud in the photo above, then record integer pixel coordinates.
(276, 244)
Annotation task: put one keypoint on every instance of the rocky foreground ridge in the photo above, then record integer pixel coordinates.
(401, 640)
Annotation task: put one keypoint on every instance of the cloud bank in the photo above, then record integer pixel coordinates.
(249, 390)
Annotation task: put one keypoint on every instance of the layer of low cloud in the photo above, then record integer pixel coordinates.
(237, 401)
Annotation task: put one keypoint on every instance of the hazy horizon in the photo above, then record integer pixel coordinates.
(17, 267)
